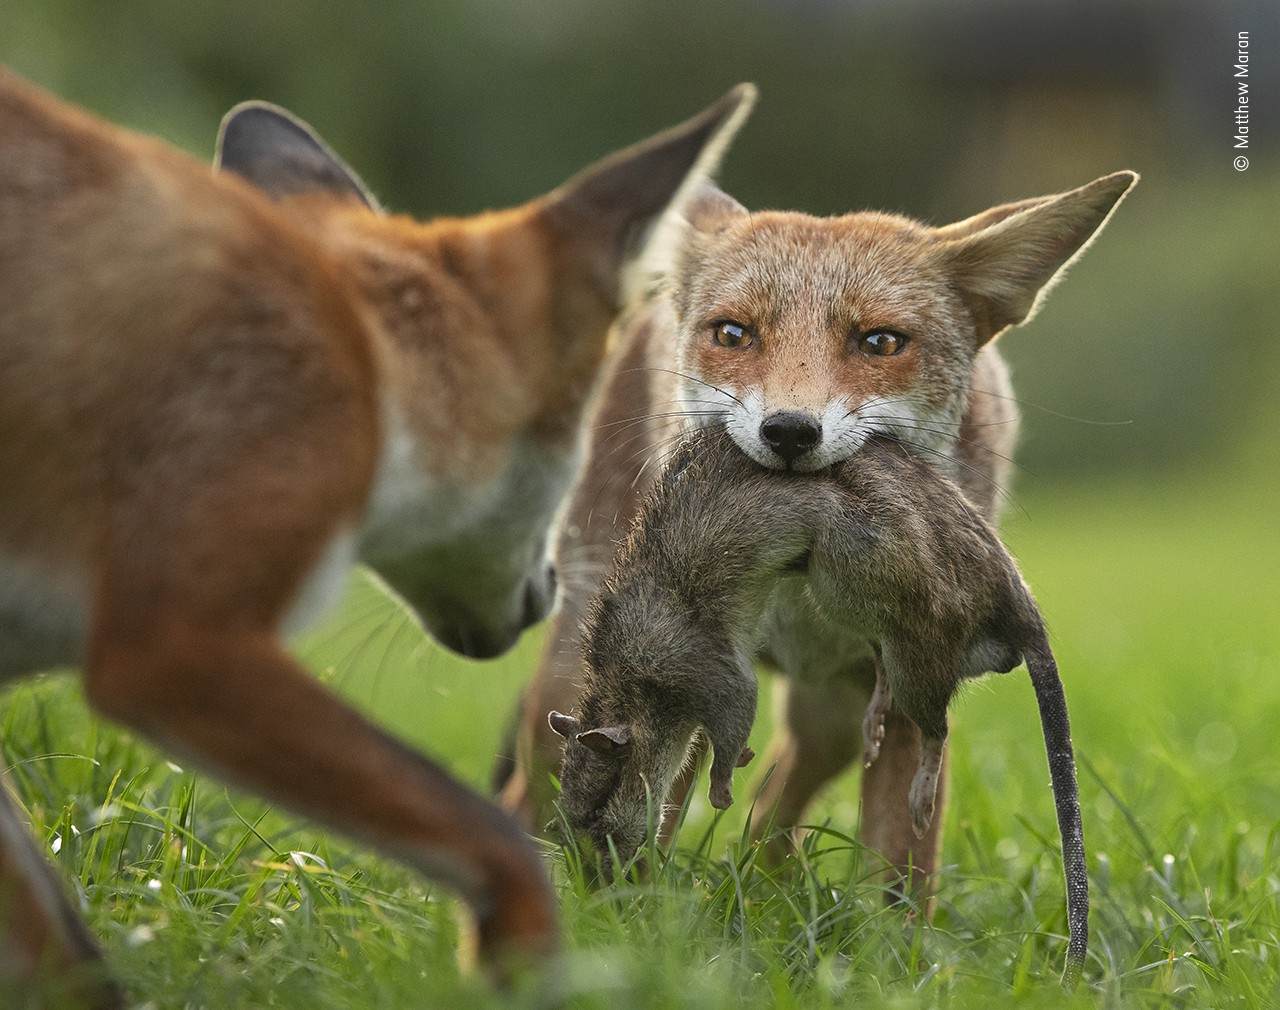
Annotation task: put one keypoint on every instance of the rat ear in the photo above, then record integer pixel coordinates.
(283, 156)
(562, 725)
(746, 757)
(605, 739)
(1005, 261)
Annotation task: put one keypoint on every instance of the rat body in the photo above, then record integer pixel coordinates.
(884, 544)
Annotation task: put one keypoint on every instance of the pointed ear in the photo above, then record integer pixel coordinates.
(704, 209)
(563, 725)
(746, 757)
(708, 208)
(615, 203)
(282, 155)
(993, 215)
(1005, 260)
(605, 739)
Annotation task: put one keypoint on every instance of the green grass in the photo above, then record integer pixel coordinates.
(1164, 604)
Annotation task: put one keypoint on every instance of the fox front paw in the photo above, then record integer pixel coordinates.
(518, 934)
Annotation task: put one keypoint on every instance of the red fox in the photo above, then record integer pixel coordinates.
(217, 390)
(805, 336)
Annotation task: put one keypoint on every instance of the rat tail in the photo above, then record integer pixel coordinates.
(1062, 771)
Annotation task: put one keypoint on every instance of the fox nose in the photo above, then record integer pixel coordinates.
(791, 433)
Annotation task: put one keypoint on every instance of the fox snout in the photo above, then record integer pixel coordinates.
(791, 434)
(539, 596)
(478, 637)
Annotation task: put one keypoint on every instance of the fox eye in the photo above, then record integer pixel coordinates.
(882, 343)
(733, 335)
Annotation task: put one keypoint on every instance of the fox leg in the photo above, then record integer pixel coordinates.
(44, 946)
(526, 791)
(817, 739)
(887, 824)
(195, 578)
(236, 703)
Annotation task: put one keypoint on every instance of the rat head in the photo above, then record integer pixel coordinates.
(490, 332)
(617, 773)
(653, 683)
(811, 333)
(616, 776)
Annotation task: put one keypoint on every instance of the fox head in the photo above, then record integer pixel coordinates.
(490, 332)
(805, 335)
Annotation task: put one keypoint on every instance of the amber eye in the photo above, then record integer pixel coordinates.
(882, 343)
(732, 335)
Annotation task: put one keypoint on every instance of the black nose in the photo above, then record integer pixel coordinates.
(791, 434)
(475, 643)
(539, 598)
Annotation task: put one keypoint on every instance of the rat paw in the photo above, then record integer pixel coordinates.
(920, 801)
(721, 795)
(873, 721)
(872, 737)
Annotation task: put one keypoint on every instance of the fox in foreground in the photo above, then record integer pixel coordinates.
(804, 337)
(218, 390)
(883, 545)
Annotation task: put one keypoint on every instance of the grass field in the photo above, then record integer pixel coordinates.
(1165, 607)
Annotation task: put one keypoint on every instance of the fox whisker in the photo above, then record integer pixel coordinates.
(691, 378)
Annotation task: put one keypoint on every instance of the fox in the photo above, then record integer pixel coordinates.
(219, 389)
(881, 542)
(805, 336)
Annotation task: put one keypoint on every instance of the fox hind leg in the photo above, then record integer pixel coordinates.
(886, 824)
(816, 740)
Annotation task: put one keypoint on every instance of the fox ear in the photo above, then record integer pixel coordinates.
(282, 155)
(1006, 260)
(709, 208)
(605, 739)
(615, 203)
(993, 215)
(705, 210)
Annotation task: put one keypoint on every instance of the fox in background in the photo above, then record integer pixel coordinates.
(218, 390)
(804, 336)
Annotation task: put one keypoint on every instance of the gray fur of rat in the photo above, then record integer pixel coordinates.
(884, 543)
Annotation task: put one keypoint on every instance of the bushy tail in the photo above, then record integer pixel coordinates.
(1062, 770)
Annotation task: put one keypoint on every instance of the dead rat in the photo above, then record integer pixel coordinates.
(886, 545)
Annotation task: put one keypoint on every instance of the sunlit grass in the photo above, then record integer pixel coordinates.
(1165, 611)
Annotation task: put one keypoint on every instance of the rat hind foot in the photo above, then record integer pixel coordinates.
(924, 787)
(873, 721)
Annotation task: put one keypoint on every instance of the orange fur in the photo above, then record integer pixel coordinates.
(217, 388)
